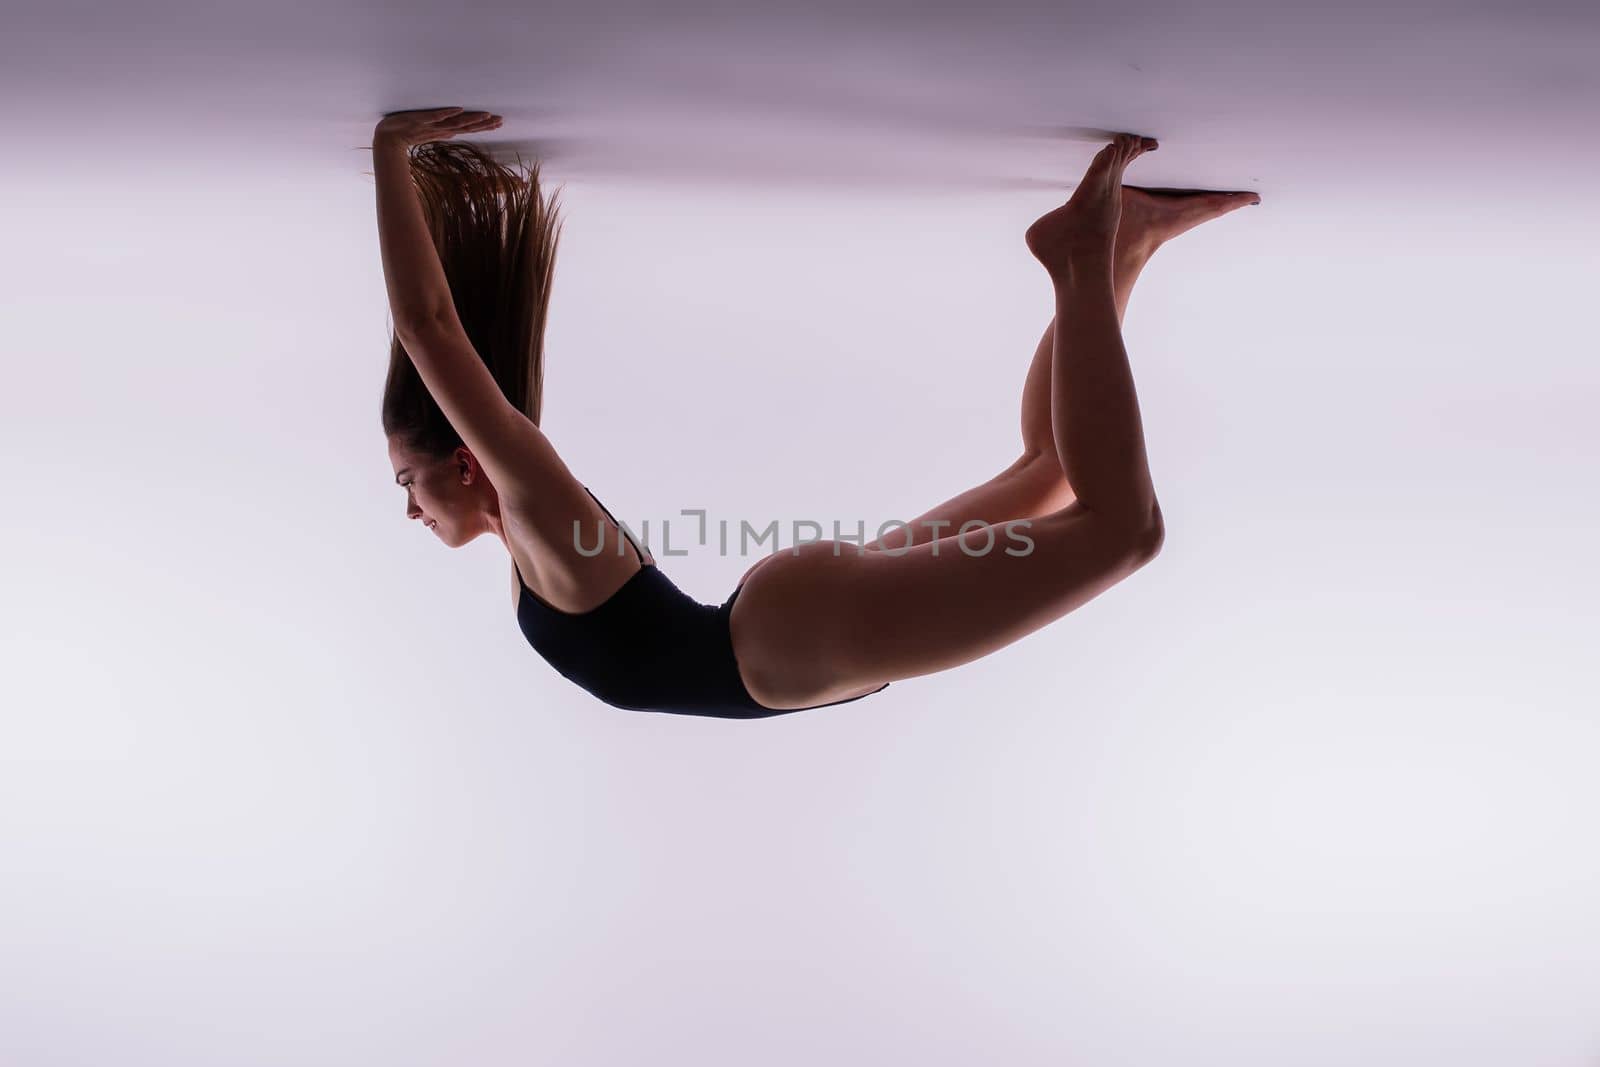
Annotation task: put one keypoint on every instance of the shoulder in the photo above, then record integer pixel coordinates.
(570, 554)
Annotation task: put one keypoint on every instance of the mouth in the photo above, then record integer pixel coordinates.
(430, 524)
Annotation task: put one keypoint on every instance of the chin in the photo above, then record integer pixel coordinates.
(451, 538)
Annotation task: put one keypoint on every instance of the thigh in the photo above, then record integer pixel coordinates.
(847, 620)
(1033, 485)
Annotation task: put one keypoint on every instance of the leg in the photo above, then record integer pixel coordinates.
(817, 627)
(1036, 482)
(1096, 422)
(1033, 485)
(820, 625)
(1150, 218)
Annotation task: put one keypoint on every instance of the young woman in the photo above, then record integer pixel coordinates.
(468, 251)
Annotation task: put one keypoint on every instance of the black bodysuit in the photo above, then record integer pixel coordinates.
(649, 647)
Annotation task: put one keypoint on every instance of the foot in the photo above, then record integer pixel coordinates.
(1152, 217)
(1085, 227)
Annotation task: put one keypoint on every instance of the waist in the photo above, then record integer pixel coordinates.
(649, 647)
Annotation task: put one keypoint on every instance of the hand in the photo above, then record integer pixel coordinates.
(409, 128)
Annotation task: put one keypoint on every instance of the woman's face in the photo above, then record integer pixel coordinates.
(445, 495)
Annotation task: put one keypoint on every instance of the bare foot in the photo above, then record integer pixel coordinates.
(1085, 227)
(1152, 217)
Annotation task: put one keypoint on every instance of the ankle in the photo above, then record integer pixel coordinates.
(1134, 252)
(1085, 267)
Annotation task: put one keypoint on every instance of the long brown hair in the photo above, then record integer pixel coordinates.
(496, 235)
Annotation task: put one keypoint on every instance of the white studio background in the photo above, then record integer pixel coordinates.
(281, 783)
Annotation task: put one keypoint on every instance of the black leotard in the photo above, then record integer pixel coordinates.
(649, 647)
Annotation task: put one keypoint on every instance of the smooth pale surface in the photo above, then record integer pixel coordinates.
(280, 782)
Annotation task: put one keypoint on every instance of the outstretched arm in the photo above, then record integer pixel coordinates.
(419, 294)
(521, 463)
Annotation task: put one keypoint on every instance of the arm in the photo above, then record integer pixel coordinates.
(418, 291)
(521, 463)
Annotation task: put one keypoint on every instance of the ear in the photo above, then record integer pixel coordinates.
(467, 467)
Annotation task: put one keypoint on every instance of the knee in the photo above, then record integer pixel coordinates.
(1141, 537)
(1149, 539)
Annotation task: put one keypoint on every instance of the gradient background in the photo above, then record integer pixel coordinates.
(281, 782)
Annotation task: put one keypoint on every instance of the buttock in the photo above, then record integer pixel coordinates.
(783, 622)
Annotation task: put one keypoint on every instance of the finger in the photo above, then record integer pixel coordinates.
(424, 114)
(467, 118)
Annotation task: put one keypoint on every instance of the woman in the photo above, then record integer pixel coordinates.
(468, 250)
